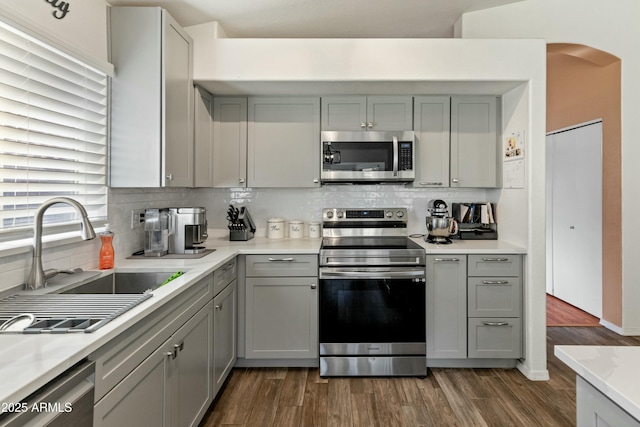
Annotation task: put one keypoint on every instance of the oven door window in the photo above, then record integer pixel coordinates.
(372, 310)
(358, 156)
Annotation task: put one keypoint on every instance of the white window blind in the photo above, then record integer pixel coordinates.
(53, 132)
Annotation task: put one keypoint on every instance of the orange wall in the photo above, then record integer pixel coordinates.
(583, 85)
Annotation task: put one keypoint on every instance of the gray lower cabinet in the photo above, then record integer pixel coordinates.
(594, 409)
(495, 306)
(283, 145)
(171, 387)
(281, 307)
(159, 371)
(446, 306)
(224, 334)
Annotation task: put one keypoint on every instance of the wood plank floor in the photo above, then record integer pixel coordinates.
(446, 397)
(560, 313)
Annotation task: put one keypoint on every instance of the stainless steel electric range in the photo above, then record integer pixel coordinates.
(372, 295)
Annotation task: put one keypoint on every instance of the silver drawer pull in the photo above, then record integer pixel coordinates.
(219, 307)
(430, 183)
(281, 259)
(495, 259)
(447, 259)
(313, 286)
(495, 282)
(495, 323)
(228, 266)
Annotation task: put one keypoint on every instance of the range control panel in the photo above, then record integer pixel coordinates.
(335, 215)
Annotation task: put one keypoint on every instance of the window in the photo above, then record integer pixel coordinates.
(53, 132)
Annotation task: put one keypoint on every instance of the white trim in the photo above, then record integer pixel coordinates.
(542, 375)
(21, 24)
(628, 332)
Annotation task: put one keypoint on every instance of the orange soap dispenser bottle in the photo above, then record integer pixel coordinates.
(106, 251)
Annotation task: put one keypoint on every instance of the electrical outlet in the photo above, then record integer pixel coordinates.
(137, 218)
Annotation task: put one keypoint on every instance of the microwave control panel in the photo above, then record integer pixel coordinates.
(405, 156)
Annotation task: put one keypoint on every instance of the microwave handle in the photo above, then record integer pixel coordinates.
(395, 156)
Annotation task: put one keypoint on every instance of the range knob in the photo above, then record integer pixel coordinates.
(340, 214)
(388, 214)
(399, 214)
(329, 214)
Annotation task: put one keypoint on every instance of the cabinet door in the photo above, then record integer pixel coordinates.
(446, 307)
(281, 318)
(344, 113)
(224, 335)
(178, 105)
(192, 368)
(230, 142)
(431, 120)
(495, 338)
(594, 409)
(390, 113)
(474, 144)
(141, 399)
(283, 142)
(203, 138)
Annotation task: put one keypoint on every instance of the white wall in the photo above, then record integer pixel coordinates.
(613, 28)
(83, 28)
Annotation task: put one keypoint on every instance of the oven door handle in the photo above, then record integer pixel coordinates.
(353, 273)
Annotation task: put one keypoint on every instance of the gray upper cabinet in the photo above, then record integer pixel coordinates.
(152, 99)
(229, 142)
(431, 120)
(203, 138)
(474, 142)
(389, 113)
(283, 142)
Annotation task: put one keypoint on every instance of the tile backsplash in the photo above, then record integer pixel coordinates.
(289, 203)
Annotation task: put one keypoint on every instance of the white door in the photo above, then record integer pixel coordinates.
(574, 214)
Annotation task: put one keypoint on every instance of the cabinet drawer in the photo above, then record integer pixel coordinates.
(282, 265)
(224, 275)
(494, 338)
(495, 265)
(494, 297)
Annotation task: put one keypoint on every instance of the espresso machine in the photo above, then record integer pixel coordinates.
(189, 230)
(440, 225)
(156, 232)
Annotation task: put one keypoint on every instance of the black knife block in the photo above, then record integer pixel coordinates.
(240, 235)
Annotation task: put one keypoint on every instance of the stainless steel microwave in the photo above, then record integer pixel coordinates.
(367, 156)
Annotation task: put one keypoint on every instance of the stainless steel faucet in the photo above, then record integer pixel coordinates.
(37, 277)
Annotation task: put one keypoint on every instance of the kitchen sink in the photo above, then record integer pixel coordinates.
(122, 283)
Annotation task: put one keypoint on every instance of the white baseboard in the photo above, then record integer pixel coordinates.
(632, 332)
(542, 375)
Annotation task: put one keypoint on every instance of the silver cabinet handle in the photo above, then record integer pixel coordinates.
(455, 180)
(315, 181)
(170, 354)
(369, 125)
(447, 259)
(495, 323)
(495, 282)
(430, 183)
(179, 347)
(495, 259)
(228, 266)
(170, 177)
(363, 125)
(219, 307)
(241, 180)
(281, 259)
(313, 286)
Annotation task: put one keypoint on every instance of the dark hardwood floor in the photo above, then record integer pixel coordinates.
(560, 313)
(446, 397)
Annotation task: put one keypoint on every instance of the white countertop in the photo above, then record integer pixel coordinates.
(27, 362)
(613, 370)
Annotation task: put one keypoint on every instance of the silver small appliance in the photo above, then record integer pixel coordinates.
(440, 225)
(189, 230)
(156, 232)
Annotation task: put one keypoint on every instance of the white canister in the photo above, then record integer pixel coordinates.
(296, 229)
(275, 228)
(314, 229)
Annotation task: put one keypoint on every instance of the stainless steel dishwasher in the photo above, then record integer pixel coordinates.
(67, 401)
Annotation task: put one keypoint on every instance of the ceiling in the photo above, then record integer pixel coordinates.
(323, 18)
